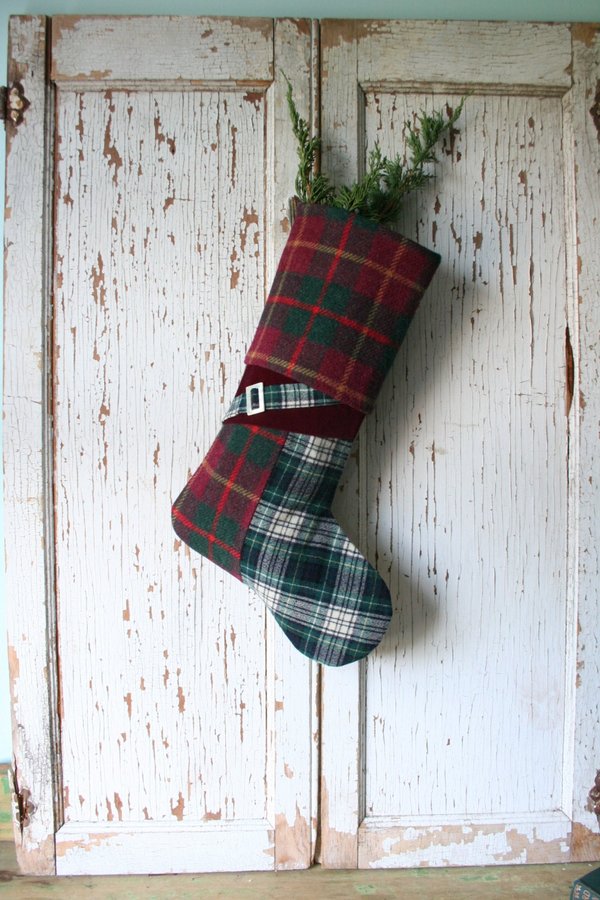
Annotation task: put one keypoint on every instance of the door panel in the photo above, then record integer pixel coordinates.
(466, 491)
(460, 735)
(149, 239)
(185, 718)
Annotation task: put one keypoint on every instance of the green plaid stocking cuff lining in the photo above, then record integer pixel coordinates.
(330, 602)
(261, 397)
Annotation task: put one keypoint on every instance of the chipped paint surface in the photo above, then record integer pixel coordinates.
(102, 49)
(163, 245)
(585, 843)
(463, 471)
(338, 844)
(152, 848)
(585, 33)
(464, 844)
(586, 74)
(595, 110)
(26, 503)
(187, 727)
(292, 843)
(142, 291)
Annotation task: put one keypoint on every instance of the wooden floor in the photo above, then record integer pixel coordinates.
(499, 882)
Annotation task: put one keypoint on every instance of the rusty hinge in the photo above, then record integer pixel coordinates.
(594, 797)
(22, 801)
(13, 103)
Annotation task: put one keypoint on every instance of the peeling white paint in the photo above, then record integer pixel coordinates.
(167, 665)
(467, 706)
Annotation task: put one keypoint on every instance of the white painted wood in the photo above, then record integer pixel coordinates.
(584, 112)
(466, 708)
(184, 713)
(190, 730)
(294, 699)
(466, 484)
(390, 843)
(157, 299)
(341, 721)
(102, 49)
(28, 531)
(158, 275)
(160, 848)
(500, 54)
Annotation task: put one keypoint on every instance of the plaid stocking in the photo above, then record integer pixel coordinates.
(259, 505)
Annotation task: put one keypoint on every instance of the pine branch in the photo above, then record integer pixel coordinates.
(311, 187)
(381, 191)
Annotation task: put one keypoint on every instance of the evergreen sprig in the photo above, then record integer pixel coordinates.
(379, 194)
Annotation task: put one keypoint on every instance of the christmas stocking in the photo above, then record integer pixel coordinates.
(259, 506)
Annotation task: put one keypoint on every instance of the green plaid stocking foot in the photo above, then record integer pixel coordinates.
(327, 598)
(259, 505)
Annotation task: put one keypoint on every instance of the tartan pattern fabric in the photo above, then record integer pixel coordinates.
(215, 508)
(259, 505)
(282, 396)
(343, 296)
(327, 598)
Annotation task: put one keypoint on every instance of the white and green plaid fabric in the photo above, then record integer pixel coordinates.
(328, 599)
(278, 396)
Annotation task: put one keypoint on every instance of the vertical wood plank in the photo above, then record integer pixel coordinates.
(295, 771)
(28, 544)
(470, 422)
(341, 688)
(585, 463)
(194, 707)
(487, 544)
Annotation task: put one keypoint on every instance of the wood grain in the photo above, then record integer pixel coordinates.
(27, 504)
(192, 736)
(586, 427)
(464, 473)
(170, 207)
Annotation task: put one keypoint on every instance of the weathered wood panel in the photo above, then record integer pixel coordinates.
(294, 702)
(466, 710)
(28, 531)
(198, 726)
(159, 277)
(465, 491)
(583, 108)
(105, 49)
(501, 55)
(157, 297)
(186, 718)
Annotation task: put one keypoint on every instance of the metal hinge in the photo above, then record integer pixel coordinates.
(13, 103)
(23, 807)
(594, 797)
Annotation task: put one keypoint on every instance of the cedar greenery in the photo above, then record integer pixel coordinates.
(380, 192)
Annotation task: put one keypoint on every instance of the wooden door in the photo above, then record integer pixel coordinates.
(161, 722)
(471, 735)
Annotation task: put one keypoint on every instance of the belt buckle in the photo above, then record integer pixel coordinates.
(255, 399)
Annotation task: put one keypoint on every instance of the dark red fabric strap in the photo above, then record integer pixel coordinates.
(338, 421)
